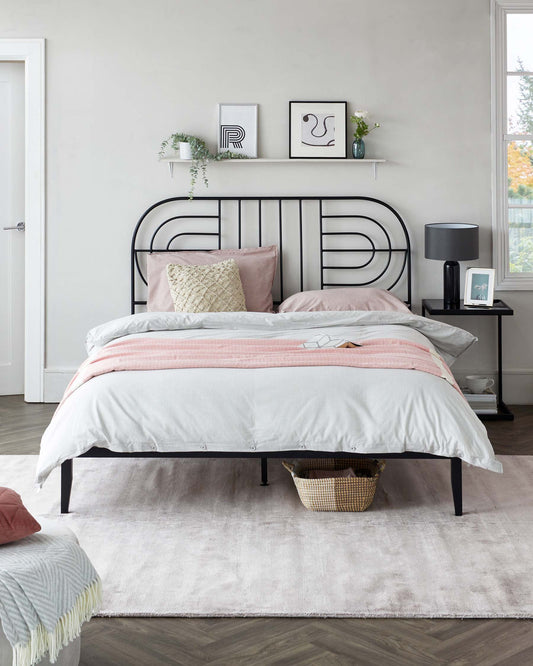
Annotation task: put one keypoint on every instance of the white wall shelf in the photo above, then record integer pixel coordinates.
(171, 161)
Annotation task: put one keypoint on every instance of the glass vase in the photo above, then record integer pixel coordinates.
(358, 149)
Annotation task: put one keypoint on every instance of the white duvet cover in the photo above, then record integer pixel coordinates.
(271, 409)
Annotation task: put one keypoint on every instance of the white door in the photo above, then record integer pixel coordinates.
(11, 241)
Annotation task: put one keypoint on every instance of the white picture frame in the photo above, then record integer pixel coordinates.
(317, 130)
(479, 286)
(237, 129)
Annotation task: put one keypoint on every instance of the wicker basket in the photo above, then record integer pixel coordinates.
(336, 494)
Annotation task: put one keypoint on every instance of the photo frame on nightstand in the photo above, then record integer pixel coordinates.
(479, 286)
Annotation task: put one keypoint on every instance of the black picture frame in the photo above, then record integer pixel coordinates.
(299, 149)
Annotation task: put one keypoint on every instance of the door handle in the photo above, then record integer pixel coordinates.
(21, 226)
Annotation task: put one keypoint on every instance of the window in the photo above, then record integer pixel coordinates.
(513, 143)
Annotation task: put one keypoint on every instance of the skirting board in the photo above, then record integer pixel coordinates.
(517, 384)
(55, 382)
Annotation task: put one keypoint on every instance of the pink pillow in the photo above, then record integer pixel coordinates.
(343, 298)
(16, 522)
(257, 268)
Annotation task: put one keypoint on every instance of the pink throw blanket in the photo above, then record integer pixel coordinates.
(164, 354)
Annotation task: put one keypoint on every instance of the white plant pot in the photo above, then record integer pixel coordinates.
(185, 150)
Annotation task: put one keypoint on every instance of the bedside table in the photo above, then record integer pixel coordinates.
(500, 309)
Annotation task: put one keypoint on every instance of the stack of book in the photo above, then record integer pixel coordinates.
(481, 403)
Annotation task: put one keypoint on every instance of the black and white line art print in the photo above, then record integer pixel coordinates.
(317, 130)
(237, 129)
(231, 136)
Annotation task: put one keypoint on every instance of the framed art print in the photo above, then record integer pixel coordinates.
(479, 286)
(317, 130)
(237, 129)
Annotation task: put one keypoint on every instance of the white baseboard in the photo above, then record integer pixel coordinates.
(517, 383)
(55, 382)
(518, 387)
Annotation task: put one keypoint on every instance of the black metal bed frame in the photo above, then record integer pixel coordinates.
(219, 216)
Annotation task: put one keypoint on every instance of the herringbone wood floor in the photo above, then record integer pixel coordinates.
(292, 641)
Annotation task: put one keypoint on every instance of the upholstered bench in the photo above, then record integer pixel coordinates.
(70, 654)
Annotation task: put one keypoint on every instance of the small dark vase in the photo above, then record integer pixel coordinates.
(358, 149)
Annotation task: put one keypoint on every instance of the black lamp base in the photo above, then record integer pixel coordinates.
(452, 280)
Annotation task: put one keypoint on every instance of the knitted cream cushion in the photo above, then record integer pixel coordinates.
(209, 288)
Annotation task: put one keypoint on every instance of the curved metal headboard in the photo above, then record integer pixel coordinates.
(328, 210)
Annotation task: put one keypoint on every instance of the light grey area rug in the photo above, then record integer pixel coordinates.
(202, 537)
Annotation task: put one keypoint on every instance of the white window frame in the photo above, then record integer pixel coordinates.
(504, 278)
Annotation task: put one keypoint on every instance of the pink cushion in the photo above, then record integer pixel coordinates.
(16, 522)
(343, 298)
(257, 268)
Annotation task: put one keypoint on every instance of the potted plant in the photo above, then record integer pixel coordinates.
(193, 148)
(361, 130)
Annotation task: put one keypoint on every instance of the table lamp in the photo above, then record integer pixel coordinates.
(451, 243)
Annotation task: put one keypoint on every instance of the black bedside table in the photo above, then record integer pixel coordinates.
(500, 309)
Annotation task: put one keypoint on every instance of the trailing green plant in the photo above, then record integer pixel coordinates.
(361, 126)
(201, 156)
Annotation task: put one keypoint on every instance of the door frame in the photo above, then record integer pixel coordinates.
(32, 53)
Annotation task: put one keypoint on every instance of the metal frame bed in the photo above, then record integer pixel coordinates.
(216, 219)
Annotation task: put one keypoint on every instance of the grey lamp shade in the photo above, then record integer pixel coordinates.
(451, 242)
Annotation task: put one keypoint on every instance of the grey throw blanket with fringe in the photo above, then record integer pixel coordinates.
(48, 589)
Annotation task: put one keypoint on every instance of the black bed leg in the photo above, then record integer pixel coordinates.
(264, 471)
(457, 485)
(66, 484)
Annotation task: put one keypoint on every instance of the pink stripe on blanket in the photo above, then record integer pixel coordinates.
(157, 354)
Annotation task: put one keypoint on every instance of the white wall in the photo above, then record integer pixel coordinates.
(123, 74)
